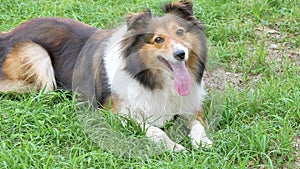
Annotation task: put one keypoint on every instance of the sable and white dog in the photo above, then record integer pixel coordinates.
(150, 69)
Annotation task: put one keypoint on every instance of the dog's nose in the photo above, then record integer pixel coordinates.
(179, 55)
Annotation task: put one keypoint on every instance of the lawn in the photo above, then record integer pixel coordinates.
(253, 102)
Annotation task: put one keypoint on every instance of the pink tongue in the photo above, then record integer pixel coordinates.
(183, 82)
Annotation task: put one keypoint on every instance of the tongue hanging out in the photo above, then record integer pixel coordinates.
(182, 78)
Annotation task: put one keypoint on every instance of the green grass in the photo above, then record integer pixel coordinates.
(258, 121)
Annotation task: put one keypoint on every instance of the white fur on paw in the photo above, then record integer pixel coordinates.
(179, 148)
(159, 136)
(204, 142)
(172, 146)
(198, 135)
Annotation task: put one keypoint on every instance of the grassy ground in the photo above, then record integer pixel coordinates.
(254, 51)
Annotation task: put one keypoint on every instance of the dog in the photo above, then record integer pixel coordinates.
(150, 69)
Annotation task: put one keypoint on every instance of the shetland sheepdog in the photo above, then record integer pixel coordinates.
(151, 68)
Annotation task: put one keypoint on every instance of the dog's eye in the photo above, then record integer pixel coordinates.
(159, 40)
(180, 32)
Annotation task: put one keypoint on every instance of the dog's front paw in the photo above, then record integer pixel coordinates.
(159, 136)
(172, 146)
(204, 142)
(198, 136)
(179, 148)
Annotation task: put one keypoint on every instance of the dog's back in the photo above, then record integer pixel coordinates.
(41, 52)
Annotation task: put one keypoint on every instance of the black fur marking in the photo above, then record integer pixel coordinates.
(201, 53)
(90, 77)
(183, 8)
(138, 34)
(3, 51)
(102, 89)
(200, 71)
(138, 21)
(135, 66)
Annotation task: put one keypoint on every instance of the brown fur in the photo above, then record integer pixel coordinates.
(201, 118)
(113, 102)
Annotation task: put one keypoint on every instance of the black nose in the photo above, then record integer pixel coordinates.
(179, 55)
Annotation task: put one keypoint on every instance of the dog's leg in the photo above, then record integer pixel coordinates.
(159, 136)
(30, 63)
(155, 134)
(198, 135)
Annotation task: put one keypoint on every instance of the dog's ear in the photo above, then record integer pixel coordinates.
(137, 21)
(183, 9)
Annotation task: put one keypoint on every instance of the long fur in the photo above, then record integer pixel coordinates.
(132, 69)
(37, 70)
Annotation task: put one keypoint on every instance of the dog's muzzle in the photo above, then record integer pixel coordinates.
(179, 55)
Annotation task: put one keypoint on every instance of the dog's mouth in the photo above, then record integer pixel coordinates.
(165, 62)
(182, 78)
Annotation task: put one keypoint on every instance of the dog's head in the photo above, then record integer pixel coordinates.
(171, 44)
